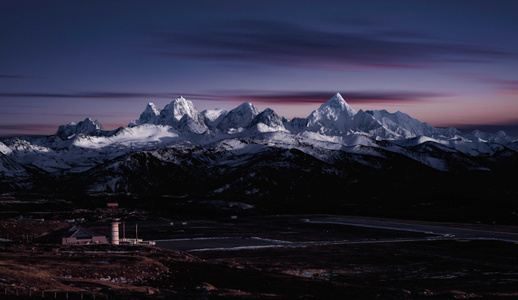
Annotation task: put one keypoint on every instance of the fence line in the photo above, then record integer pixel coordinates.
(20, 292)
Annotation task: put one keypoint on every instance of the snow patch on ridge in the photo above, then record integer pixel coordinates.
(244, 131)
(4, 149)
(138, 136)
(213, 116)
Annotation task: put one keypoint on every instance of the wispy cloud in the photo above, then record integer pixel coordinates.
(319, 97)
(505, 86)
(90, 95)
(282, 43)
(263, 97)
(509, 87)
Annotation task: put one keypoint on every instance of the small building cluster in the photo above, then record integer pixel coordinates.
(78, 235)
(116, 240)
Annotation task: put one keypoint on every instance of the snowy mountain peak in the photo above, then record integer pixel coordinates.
(499, 137)
(180, 114)
(89, 123)
(174, 111)
(334, 115)
(238, 118)
(338, 103)
(183, 115)
(333, 121)
(268, 121)
(402, 124)
(246, 107)
(150, 111)
(149, 115)
(87, 126)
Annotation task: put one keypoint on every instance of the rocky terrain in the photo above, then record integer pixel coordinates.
(335, 157)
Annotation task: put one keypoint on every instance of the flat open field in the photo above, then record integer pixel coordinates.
(273, 257)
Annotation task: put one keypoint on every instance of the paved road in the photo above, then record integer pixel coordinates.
(433, 232)
(233, 244)
(447, 232)
(216, 243)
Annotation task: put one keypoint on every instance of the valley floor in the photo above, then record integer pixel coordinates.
(272, 257)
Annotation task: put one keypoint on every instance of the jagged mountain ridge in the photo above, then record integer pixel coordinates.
(333, 118)
(85, 127)
(181, 147)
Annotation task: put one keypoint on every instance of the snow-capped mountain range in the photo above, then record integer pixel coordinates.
(182, 145)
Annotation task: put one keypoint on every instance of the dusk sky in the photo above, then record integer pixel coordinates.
(448, 63)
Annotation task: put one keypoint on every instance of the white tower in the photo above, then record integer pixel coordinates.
(115, 231)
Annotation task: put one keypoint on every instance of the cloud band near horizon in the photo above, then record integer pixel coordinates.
(273, 97)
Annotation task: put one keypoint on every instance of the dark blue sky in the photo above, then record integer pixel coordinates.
(449, 63)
